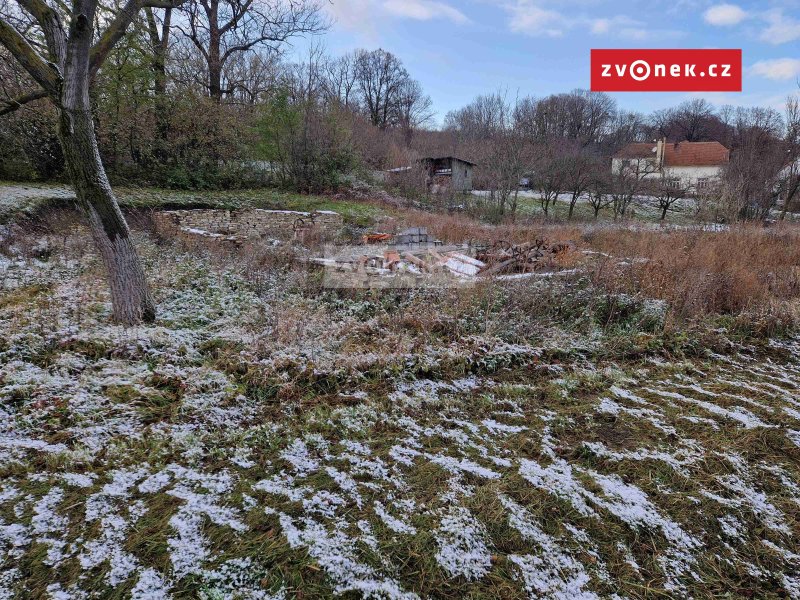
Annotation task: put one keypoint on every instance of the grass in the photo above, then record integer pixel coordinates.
(30, 199)
(219, 393)
(529, 206)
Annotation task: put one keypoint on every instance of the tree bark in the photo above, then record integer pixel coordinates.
(214, 52)
(65, 76)
(130, 295)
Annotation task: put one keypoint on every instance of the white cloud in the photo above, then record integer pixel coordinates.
(353, 14)
(526, 17)
(534, 18)
(616, 24)
(724, 15)
(778, 68)
(780, 28)
(364, 16)
(424, 10)
(601, 26)
(626, 28)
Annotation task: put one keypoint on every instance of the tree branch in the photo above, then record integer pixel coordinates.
(51, 26)
(115, 31)
(45, 74)
(16, 103)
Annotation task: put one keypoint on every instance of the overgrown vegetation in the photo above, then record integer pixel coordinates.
(267, 438)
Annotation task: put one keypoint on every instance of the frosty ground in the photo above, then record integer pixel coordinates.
(267, 439)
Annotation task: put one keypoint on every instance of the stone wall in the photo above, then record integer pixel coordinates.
(247, 223)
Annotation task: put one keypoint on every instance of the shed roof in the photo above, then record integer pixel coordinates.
(435, 158)
(682, 154)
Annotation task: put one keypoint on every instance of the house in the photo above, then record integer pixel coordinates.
(447, 174)
(692, 165)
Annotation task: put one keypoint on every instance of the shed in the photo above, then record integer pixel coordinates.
(448, 174)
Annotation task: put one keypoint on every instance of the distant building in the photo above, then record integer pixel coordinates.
(447, 174)
(693, 165)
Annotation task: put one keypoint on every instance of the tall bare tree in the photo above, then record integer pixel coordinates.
(380, 78)
(413, 107)
(60, 49)
(341, 80)
(628, 181)
(223, 30)
(789, 177)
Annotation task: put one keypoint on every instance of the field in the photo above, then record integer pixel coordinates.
(580, 435)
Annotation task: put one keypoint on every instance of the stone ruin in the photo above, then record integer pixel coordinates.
(246, 224)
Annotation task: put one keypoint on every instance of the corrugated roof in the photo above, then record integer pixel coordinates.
(684, 154)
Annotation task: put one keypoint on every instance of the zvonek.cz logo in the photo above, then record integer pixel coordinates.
(667, 70)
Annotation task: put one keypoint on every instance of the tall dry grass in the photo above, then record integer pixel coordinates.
(750, 272)
(457, 228)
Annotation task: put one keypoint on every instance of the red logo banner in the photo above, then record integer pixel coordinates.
(667, 70)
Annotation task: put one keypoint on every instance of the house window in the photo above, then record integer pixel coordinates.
(703, 183)
(673, 183)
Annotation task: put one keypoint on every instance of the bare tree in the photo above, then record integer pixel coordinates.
(487, 125)
(581, 169)
(627, 182)
(668, 191)
(789, 182)
(341, 80)
(749, 187)
(691, 121)
(552, 176)
(380, 77)
(414, 108)
(581, 116)
(223, 30)
(61, 52)
(599, 193)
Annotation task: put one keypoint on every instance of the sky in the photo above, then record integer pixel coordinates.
(460, 49)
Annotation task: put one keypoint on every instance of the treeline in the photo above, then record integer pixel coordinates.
(203, 96)
(562, 144)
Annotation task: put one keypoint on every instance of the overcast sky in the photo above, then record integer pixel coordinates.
(459, 49)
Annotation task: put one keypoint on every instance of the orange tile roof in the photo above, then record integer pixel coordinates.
(683, 154)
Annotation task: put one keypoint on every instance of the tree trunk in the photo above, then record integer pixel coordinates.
(130, 295)
(214, 52)
(572, 204)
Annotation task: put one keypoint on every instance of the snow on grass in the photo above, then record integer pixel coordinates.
(150, 586)
(554, 573)
(739, 414)
(626, 502)
(559, 479)
(463, 549)
(336, 552)
(679, 461)
(103, 422)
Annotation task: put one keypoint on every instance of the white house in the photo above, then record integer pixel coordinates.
(693, 165)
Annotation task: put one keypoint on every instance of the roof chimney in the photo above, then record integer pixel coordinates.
(660, 152)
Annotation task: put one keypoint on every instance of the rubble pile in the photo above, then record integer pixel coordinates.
(413, 253)
(504, 257)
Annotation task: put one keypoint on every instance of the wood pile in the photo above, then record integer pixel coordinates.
(504, 257)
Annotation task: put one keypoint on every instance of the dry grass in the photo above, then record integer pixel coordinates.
(457, 228)
(749, 272)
